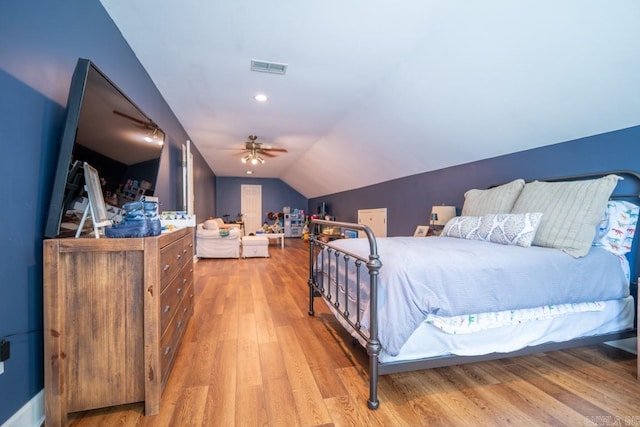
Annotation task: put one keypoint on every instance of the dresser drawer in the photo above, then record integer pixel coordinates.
(171, 261)
(172, 295)
(187, 249)
(170, 341)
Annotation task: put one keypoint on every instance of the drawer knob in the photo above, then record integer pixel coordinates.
(179, 325)
(179, 291)
(178, 256)
(167, 308)
(166, 267)
(167, 350)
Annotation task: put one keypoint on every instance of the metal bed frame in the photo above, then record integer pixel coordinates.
(318, 249)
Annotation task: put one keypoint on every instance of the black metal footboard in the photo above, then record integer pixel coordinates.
(329, 278)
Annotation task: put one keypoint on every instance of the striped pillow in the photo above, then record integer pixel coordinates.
(492, 201)
(572, 210)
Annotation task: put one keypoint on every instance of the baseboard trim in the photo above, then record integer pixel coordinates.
(629, 345)
(31, 414)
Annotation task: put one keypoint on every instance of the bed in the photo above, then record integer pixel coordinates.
(527, 267)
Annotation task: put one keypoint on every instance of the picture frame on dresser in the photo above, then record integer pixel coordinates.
(421, 231)
(96, 205)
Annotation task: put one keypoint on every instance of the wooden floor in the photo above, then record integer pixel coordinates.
(253, 357)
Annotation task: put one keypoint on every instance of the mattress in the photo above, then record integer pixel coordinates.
(450, 277)
(430, 341)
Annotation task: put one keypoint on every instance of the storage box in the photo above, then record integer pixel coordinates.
(255, 246)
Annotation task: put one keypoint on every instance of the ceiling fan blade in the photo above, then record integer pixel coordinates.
(133, 119)
(252, 146)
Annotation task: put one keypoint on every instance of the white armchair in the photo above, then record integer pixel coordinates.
(215, 242)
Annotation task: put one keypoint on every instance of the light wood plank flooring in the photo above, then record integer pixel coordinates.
(253, 357)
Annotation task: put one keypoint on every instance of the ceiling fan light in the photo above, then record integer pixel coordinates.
(153, 137)
(254, 161)
(261, 160)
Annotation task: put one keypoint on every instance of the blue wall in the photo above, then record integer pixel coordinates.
(40, 43)
(409, 200)
(275, 195)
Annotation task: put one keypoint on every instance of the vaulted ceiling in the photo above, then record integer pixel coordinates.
(379, 90)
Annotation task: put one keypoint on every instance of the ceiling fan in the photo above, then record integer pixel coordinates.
(255, 151)
(154, 129)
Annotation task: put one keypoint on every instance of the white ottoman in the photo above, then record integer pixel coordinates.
(255, 246)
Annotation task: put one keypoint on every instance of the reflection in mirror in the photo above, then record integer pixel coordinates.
(107, 130)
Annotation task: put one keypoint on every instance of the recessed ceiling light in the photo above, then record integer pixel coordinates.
(249, 172)
(261, 97)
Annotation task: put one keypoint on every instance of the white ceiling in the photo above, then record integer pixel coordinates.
(377, 90)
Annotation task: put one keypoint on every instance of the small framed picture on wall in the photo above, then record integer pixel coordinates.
(421, 231)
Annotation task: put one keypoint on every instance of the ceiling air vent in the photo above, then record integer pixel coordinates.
(268, 67)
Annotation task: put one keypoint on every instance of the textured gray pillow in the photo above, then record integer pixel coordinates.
(492, 201)
(572, 210)
(462, 227)
(509, 229)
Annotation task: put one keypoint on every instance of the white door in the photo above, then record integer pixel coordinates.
(251, 207)
(376, 219)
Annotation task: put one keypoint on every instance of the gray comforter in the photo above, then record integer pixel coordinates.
(449, 276)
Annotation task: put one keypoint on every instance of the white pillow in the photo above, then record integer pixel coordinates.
(210, 224)
(462, 227)
(509, 229)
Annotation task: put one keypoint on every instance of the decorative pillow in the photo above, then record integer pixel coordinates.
(617, 227)
(462, 227)
(210, 224)
(494, 200)
(509, 229)
(572, 210)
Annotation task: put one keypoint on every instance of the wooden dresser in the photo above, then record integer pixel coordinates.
(114, 314)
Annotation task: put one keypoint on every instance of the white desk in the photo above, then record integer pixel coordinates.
(276, 236)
